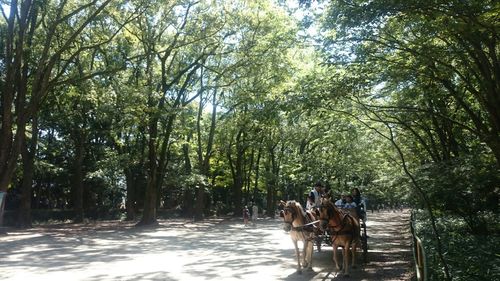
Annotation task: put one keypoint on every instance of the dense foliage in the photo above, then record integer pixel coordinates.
(471, 257)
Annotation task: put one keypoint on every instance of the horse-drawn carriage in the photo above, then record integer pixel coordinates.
(325, 237)
(328, 225)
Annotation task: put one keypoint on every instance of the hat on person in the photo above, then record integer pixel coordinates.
(318, 184)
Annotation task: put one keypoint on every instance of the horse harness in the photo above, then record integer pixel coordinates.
(308, 227)
(342, 232)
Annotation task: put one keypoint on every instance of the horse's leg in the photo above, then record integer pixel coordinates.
(297, 253)
(305, 252)
(356, 240)
(345, 256)
(335, 258)
(353, 251)
(310, 250)
(317, 239)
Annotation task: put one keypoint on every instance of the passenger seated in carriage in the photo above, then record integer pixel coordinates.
(360, 203)
(310, 202)
(314, 198)
(347, 205)
(349, 202)
(346, 202)
(340, 202)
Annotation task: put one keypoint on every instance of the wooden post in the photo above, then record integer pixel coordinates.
(418, 254)
(2, 205)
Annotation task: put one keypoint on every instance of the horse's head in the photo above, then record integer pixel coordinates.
(291, 212)
(326, 212)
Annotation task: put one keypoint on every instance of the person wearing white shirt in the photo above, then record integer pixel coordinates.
(255, 212)
(315, 196)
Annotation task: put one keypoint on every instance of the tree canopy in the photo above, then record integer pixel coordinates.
(201, 107)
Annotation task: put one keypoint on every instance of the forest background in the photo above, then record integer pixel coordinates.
(140, 109)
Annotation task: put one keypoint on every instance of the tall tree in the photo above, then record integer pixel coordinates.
(176, 42)
(36, 38)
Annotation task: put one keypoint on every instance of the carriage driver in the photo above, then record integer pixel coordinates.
(314, 198)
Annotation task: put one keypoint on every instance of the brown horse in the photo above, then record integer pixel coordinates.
(344, 229)
(301, 228)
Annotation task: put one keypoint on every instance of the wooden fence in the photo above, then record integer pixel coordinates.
(2, 206)
(418, 253)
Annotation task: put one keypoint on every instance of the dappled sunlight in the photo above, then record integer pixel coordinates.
(189, 251)
(185, 250)
(16, 236)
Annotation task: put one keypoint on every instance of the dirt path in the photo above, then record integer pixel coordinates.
(179, 250)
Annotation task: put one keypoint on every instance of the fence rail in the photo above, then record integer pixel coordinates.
(2, 206)
(418, 253)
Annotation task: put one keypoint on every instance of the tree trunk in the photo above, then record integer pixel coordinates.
(272, 168)
(237, 190)
(204, 160)
(494, 144)
(187, 160)
(149, 209)
(257, 176)
(78, 176)
(269, 191)
(149, 213)
(130, 202)
(248, 175)
(237, 172)
(28, 156)
(199, 203)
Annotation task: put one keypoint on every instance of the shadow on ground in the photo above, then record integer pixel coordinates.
(216, 249)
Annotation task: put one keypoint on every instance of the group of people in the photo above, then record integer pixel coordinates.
(346, 201)
(254, 214)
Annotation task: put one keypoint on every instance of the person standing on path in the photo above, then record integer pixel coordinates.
(246, 215)
(255, 213)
